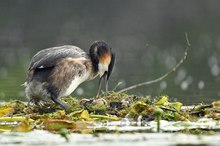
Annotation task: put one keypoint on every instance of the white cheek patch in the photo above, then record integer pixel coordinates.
(102, 68)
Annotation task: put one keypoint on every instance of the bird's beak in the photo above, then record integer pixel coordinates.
(105, 77)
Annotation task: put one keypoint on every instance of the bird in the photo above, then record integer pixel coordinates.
(57, 71)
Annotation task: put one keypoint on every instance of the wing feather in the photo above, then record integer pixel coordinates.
(49, 57)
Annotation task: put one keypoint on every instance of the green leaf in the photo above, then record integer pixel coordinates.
(162, 101)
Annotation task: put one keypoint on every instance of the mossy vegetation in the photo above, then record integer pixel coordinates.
(87, 113)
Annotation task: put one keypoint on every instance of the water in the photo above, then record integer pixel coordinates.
(148, 38)
(161, 139)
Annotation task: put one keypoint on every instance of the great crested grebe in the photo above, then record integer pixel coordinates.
(56, 72)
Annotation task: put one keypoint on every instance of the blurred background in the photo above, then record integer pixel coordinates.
(148, 37)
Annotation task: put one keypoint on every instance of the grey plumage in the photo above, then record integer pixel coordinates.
(49, 57)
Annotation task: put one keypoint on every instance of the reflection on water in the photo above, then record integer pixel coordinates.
(147, 37)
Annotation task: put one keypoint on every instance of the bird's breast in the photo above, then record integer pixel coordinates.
(76, 82)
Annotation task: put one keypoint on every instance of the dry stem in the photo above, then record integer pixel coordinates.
(166, 74)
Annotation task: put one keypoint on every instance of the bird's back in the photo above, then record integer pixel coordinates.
(49, 57)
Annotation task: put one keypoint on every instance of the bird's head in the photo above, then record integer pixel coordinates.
(103, 61)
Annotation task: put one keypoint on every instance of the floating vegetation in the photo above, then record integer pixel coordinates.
(110, 113)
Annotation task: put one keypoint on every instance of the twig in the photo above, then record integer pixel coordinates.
(119, 83)
(165, 75)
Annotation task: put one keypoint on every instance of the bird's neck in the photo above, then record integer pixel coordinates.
(95, 62)
(94, 69)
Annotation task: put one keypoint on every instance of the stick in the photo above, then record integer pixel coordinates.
(166, 74)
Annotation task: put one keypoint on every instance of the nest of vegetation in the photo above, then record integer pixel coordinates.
(18, 116)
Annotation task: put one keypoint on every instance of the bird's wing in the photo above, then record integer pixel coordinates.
(49, 57)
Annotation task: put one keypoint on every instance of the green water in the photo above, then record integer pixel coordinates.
(148, 38)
